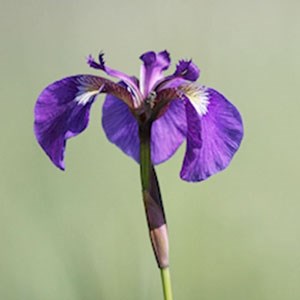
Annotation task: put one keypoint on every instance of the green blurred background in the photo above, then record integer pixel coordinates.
(82, 234)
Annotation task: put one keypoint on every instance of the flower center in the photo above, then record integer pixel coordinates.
(151, 99)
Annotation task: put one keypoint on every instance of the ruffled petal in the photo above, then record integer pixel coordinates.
(215, 131)
(151, 70)
(186, 72)
(62, 111)
(121, 128)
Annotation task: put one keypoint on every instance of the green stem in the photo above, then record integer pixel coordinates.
(154, 209)
(166, 283)
(145, 158)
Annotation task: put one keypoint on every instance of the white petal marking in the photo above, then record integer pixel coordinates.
(199, 97)
(87, 89)
(83, 98)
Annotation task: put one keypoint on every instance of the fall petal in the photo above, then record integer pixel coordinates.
(215, 131)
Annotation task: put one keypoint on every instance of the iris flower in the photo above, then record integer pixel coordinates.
(148, 119)
(179, 108)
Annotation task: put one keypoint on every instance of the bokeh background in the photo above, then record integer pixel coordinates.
(81, 234)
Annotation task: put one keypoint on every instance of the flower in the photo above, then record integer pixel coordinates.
(177, 106)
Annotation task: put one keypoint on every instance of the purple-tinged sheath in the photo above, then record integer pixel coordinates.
(179, 108)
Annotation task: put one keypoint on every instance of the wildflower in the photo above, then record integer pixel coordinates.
(176, 107)
(148, 119)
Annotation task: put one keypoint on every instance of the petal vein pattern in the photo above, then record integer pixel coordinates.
(151, 70)
(121, 128)
(62, 111)
(221, 134)
(174, 106)
(198, 96)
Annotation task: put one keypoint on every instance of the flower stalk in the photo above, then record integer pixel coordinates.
(181, 109)
(154, 209)
(145, 154)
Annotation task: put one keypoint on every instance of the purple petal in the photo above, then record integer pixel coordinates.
(62, 111)
(93, 64)
(168, 132)
(212, 138)
(186, 71)
(130, 81)
(151, 70)
(121, 128)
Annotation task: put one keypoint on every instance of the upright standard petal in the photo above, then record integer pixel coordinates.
(215, 131)
(151, 70)
(121, 128)
(62, 111)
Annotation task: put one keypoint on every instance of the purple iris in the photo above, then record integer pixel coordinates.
(177, 107)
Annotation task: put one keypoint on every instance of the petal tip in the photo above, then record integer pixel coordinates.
(188, 70)
(166, 56)
(148, 57)
(194, 177)
(60, 165)
(93, 64)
